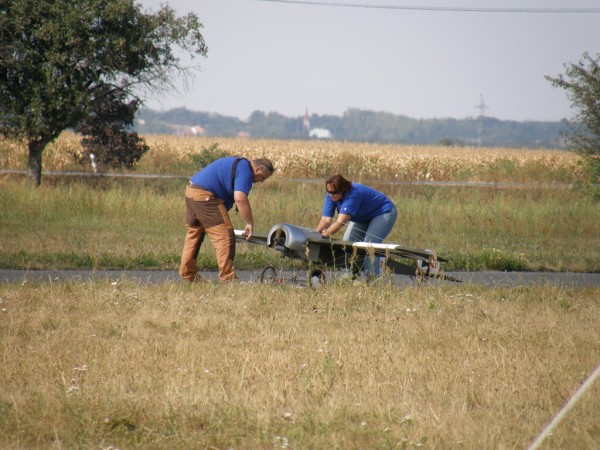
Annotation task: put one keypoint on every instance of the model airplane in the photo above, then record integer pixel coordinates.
(307, 245)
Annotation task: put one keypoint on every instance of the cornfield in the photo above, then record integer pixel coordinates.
(318, 159)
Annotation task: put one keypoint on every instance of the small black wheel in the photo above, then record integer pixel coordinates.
(316, 278)
(268, 275)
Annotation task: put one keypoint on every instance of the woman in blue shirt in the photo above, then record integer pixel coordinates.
(369, 214)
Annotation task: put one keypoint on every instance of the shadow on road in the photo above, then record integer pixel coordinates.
(488, 278)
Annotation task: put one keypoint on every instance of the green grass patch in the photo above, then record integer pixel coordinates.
(128, 224)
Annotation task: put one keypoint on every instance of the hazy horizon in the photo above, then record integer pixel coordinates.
(289, 57)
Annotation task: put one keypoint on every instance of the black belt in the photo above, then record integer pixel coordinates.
(195, 186)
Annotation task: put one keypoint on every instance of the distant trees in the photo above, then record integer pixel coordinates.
(581, 80)
(275, 126)
(81, 65)
(360, 126)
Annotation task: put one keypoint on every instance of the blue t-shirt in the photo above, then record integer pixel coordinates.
(216, 178)
(361, 203)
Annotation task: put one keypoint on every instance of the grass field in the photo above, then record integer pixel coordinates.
(125, 365)
(139, 224)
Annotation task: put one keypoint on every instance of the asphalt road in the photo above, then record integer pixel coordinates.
(488, 278)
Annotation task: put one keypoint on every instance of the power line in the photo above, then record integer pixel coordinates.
(443, 8)
(481, 107)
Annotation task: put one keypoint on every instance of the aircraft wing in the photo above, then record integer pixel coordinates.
(398, 251)
(257, 238)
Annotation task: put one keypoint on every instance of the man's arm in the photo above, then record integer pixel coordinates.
(243, 206)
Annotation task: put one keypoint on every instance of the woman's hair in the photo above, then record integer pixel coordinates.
(339, 184)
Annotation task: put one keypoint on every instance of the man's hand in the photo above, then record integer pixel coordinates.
(248, 231)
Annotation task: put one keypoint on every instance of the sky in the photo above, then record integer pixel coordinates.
(378, 55)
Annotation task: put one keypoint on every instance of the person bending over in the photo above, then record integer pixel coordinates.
(209, 196)
(369, 214)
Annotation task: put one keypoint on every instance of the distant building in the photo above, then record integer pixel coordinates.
(185, 130)
(320, 133)
(197, 130)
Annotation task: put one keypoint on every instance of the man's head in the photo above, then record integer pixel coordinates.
(262, 168)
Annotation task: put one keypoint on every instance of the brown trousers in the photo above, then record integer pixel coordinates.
(206, 214)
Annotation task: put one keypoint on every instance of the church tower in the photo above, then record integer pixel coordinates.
(306, 122)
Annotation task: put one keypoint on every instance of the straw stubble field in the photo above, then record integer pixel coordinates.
(126, 365)
(106, 365)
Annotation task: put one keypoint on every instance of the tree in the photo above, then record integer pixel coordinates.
(81, 65)
(582, 83)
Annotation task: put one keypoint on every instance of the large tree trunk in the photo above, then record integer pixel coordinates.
(34, 164)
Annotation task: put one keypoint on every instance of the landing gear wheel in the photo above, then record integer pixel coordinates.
(268, 275)
(316, 278)
(430, 268)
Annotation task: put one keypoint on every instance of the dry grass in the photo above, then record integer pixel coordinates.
(126, 365)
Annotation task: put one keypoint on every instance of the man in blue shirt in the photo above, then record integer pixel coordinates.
(210, 194)
(369, 214)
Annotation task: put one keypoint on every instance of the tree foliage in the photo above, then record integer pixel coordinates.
(106, 138)
(81, 65)
(582, 83)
